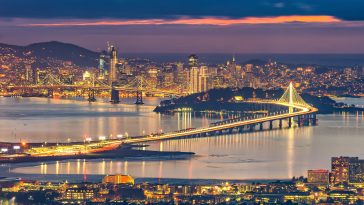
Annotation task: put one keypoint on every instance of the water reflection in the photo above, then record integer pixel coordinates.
(268, 154)
(54, 120)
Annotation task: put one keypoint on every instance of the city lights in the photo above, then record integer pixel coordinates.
(182, 102)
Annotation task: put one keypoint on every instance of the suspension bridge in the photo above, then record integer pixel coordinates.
(297, 110)
(138, 85)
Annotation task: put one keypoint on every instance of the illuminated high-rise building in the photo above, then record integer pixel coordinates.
(194, 80)
(203, 79)
(193, 74)
(102, 65)
(192, 61)
(28, 73)
(113, 62)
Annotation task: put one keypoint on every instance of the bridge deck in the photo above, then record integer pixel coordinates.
(302, 111)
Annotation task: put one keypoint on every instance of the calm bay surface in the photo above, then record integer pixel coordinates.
(259, 155)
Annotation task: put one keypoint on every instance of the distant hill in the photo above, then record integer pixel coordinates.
(56, 50)
(256, 62)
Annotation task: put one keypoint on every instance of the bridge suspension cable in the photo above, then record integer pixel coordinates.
(292, 97)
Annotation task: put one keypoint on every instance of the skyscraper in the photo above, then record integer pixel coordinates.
(203, 79)
(102, 64)
(193, 73)
(192, 61)
(113, 61)
(29, 73)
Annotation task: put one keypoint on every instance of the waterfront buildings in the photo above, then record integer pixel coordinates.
(347, 170)
(120, 189)
(118, 179)
(319, 177)
(175, 77)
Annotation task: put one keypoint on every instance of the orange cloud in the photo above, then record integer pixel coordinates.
(197, 21)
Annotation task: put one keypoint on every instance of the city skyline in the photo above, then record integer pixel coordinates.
(189, 27)
(181, 102)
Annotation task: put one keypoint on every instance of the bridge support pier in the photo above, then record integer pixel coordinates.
(271, 125)
(91, 95)
(139, 98)
(280, 123)
(261, 126)
(314, 119)
(114, 96)
(299, 120)
(252, 127)
(241, 129)
(290, 122)
(50, 93)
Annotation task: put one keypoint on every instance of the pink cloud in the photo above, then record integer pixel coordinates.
(194, 21)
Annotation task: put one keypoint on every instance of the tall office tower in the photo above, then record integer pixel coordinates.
(203, 79)
(249, 76)
(193, 73)
(232, 66)
(177, 72)
(113, 61)
(28, 73)
(192, 61)
(179, 67)
(193, 80)
(102, 65)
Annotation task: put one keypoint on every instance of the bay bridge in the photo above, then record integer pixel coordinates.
(297, 111)
(138, 85)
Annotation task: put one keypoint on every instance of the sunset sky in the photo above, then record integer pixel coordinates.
(185, 26)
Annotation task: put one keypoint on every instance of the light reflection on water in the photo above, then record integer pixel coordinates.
(268, 154)
(41, 119)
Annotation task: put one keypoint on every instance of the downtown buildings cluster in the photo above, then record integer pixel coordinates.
(191, 76)
(342, 185)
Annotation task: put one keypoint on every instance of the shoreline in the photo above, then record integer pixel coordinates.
(123, 152)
